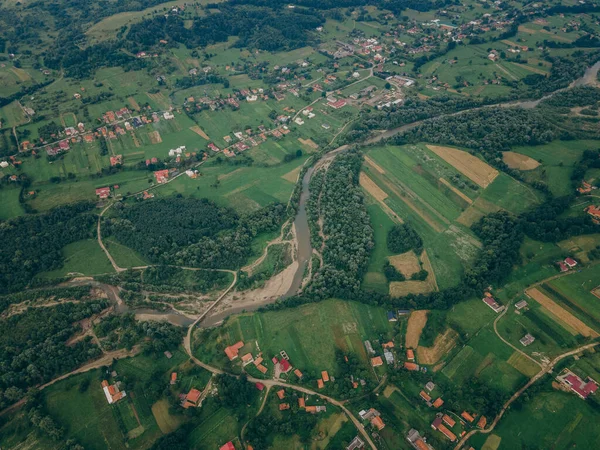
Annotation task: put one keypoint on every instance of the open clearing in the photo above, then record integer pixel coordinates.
(416, 323)
(470, 166)
(402, 288)
(200, 132)
(476, 211)
(155, 137)
(492, 442)
(406, 263)
(561, 313)
(166, 422)
(134, 104)
(519, 161)
(456, 191)
(292, 175)
(442, 345)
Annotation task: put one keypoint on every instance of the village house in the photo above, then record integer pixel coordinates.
(448, 420)
(526, 340)
(233, 350)
(439, 426)
(324, 376)
(520, 305)
(410, 354)
(284, 406)
(425, 396)
(228, 446)
(191, 399)
(320, 383)
(417, 441)
(594, 211)
(281, 394)
(378, 423)
(389, 356)
(582, 388)
(376, 361)
(298, 373)
(411, 366)
(112, 392)
(301, 403)
(162, 176)
(103, 192)
(438, 402)
(491, 302)
(468, 417)
(247, 359)
(356, 444)
(481, 423)
(369, 347)
(570, 262)
(173, 378)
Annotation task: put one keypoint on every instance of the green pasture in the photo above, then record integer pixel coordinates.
(469, 316)
(381, 223)
(124, 256)
(83, 257)
(577, 288)
(9, 199)
(510, 194)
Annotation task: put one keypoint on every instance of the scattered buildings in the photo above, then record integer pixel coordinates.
(173, 378)
(228, 446)
(594, 211)
(391, 316)
(482, 422)
(162, 176)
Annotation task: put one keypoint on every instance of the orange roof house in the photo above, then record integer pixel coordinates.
(298, 373)
(388, 344)
(261, 368)
(411, 366)
(161, 176)
(410, 355)
(377, 361)
(284, 406)
(425, 396)
(378, 423)
(325, 375)
(482, 422)
(301, 402)
(439, 402)
(468, 417)
(192, 398)
(310, 409)
(258, 360)
(354, 385)
(174, 378)
(247, 358)
(449, 420)
(281, 394)
(446, 432)
(233, 350)
(320, 384)
(593, 211)
(112, 392)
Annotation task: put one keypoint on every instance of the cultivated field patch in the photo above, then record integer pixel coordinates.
(309, 142)
(456, 191)
(402, 288)
(416, 323)
(561, 313)
(374, 165)
(470, 166)
(159, 99)
(518, 161)
(166, 422)
(200, 132)
(378, 194)
(476, 211)
(154, 137)
(523, 364)
(406, 263)
(442, 345)
(134, 104)
(492, 442)
(292, 175)
(21, 74)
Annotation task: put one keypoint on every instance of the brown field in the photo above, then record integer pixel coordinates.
(378, 194)
(416, 323)
(134, 104)
(470, 166)
(511, 43)
(309, 142)
(406, 263)
(166, 422)
(374, 165)
(442, 345)
(292, 175)
(596, 291)
(519, 161)
(522, 364)
(402, 288)
(154, 137)
(160, 99)
(455, 190)
(196, 129)
(561, 313)
(492, 442)
(21, 74)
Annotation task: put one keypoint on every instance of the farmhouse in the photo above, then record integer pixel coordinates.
(563, 267)
(259, 386)
(284, 406)
(594, 211)
(391, 316)
(425, 396)
(298, 373)
(417, 441)
(410, 354)
(247, 359)
(520, 305)
(320, 383)
(376, 361)
(233, 350)
(284, 365)
(356, 444)
(228, 446)
(112, 392)
(481, 423)
(438, 402)
(389, 356)
(439, 426)
(337, 104)
(389, 344)
(325, 376)
(162, 176)
(582, 388)
(301, 402)
(377, 422)
(103, 192)
(281, 394)
(527, 340)
(489, 300)
(468, 417)
(448, 420)
(570, 262)
(173, 378)
(411, 366)
(191, 399)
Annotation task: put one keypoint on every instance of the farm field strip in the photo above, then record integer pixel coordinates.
(470, 166)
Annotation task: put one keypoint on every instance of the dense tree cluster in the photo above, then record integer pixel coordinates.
(33, 350)
(346, 227)
(235, 392)
(33, 244)
(191, 232)
(488, 131)
(577, 96)
(402, 238)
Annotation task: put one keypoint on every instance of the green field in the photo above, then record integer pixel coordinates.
(309, 334)
(82, 257)
(124, 256)
(577, 288)
(381, 223)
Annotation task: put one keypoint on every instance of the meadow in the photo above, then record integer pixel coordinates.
(82, 257)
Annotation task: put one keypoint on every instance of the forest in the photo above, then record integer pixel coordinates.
(191, 232)
(33, 350)
(346, 225)
(33, 244)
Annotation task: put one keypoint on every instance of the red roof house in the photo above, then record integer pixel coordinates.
(570, 262)
(581, 388)
(285, 365)
(103, 192)
(259, 386)
(228, 446)
(233, 350)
